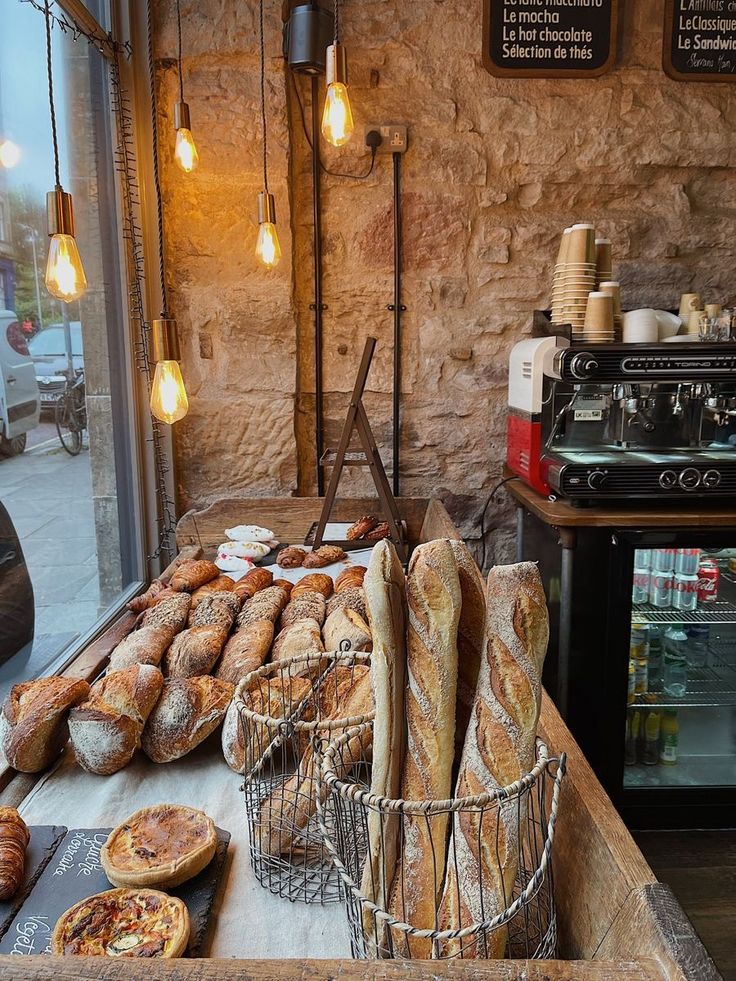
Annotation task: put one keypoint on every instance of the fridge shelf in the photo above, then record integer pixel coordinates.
(689, 771)
(719, 612)
(707, 687)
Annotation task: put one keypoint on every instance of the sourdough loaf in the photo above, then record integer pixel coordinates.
(33, 721)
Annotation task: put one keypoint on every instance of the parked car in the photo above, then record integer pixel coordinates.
(48, 350)
(20, 402)
(17, 611)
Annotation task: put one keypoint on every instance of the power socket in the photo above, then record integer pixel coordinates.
(394, 137)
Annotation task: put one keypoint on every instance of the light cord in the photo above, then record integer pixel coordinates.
(178, 30)
(52, 110)
(337, 21)
(156, 175)
(263, 105)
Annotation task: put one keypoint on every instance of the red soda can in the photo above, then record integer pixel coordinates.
(709, 576)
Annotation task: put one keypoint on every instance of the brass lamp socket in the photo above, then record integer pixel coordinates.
(59, 212)
(165, 340)
(182, 119)
(336, 69)
(266, 208)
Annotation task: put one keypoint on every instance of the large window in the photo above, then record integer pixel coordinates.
(70, 501)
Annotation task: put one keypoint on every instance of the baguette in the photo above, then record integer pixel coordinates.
(470, 636)
(498, 750)
(14, 838)
(434, 598)
(33, 722)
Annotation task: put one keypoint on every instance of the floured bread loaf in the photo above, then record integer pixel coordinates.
(146, 645)
(187, 712)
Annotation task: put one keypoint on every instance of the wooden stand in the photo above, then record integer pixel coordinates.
(365, 456)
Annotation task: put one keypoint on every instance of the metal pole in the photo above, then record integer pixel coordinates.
(565, 629)
(35, 280)
(317, 305)
(397, 309)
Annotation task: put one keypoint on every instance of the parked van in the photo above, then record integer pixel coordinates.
(20, 402)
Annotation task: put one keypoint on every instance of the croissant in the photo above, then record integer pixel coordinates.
(140, 603)
(253, 582)
(14, 838)
(192, 575)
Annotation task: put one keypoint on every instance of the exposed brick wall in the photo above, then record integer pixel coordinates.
(496, 168)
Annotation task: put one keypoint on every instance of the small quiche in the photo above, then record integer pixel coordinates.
(123, 923)
(160, 846)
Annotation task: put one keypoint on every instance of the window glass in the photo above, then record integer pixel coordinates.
(67, 548)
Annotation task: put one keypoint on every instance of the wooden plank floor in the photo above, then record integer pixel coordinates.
(700, 868)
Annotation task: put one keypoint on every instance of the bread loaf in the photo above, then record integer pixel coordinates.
(385, 589)
(146, 645)
(349, 598)
(245, 651)
(298, 639)
(187, 712)
(265, 605)
(134, 691)
(310, 605)
(345, 629)
(14, 838)
(191, 575)
(171, 613)
(33, 722)
(434, 598)
(470, 634)
(498, 750)
(219, 609)
(194, 651)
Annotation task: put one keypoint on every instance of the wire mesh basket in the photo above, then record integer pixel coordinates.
(285, 708)
(487, 887)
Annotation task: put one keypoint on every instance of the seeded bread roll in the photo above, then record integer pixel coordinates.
(218, 609)
(223, 584)
(309, 606)
(33, 721)
(265, 605)
(352, 598)
(187, 712)
(172, 613)
(245, 651)
(146, 645)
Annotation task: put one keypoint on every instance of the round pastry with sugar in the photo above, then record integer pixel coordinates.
(249, 533)
(231, 563)
(244, 550)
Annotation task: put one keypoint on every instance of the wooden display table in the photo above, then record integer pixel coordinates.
(615, 921)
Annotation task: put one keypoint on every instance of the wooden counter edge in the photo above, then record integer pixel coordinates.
(44, 968)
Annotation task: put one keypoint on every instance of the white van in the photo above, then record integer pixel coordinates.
(20, 402)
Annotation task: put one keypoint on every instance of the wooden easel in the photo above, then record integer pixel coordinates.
(367, 456)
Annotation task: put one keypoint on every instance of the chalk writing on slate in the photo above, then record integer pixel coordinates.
(545, 38)
(700, 40)
(75, 873)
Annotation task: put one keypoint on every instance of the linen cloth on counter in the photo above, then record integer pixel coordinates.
(248, 920)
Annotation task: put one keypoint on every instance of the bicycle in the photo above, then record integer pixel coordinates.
(70, 412)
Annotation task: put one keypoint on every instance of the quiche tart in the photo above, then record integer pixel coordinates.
(123, 923)
(160, 846)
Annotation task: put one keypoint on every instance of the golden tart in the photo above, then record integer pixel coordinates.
(162, 846)
(123, 923)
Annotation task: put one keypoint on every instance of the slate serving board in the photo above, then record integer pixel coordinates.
(43, 843)
(76, 873)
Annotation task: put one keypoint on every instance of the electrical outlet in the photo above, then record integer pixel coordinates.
(394, 137)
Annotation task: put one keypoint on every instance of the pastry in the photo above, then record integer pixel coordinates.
(498, 750)
(345, 629)
(191, 575)
(217, 609)
(140, 603)
(33, 721)
(14, 838)
(265, 605)
(172, 613)
(233, 563)
(470, 634)
(253, 582)
(291, 557)
(300, 638)
(250, 533)
(350, 577)
(146, 645)
(433, 599)
(381, 530)
(195, 651)
(245, 651)
(187, 712)
(352, 598)
(159, 847)
(324, 555)
(309, 606)
(315, 582)
(243, 550)
(123, 923)
(223, 584)
(284, 584)
(361, 527)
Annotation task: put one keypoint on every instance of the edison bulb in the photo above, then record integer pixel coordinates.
(185, 151)
(337, 118)
(65, 277)
(169, 401)
(9, 153)
(268, 247)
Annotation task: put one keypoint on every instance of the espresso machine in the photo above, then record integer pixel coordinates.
(623, 421)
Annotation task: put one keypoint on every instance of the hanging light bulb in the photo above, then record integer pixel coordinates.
(169, 401)
(268, 247)
(185, 151)
(65, 277)
(337, 118)
(9, 154)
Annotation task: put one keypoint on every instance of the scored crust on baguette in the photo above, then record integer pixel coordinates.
(498, 750)
(187, 712)
(159, 847)
(470, 635)
(33, 721)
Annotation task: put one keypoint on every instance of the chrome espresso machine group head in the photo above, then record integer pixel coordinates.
(623, 421)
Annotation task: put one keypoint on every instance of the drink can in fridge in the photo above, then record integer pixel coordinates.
(685, 592)
(663, 560)
(640, 587)
(687, 561)
(709, 576)
(660, 589)
(643, 558)
(641, 676)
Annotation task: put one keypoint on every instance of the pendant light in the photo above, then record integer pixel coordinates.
(65, 277)
(268, 247)
(169, 401)
(337, 118)
(185, 151)
(9, 154)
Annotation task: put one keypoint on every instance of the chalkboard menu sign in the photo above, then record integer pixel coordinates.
(700, 40)
(549, 38)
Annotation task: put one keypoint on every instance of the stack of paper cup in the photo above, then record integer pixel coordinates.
(614, 291)
(640, 327)
(557, 277)
(688, 303)
(603, 261)
(598, 325)
(691, 324)
(574, 276)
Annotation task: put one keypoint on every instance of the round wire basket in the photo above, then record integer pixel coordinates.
(491, 856)
(285, 708)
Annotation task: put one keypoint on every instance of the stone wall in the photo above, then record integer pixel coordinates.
(496, 168)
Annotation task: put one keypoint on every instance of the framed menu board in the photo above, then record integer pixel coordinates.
(549, 38)
(700, 40)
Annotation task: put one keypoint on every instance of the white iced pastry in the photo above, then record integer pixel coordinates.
(232, 563)
(250, 533)
(244, 550)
